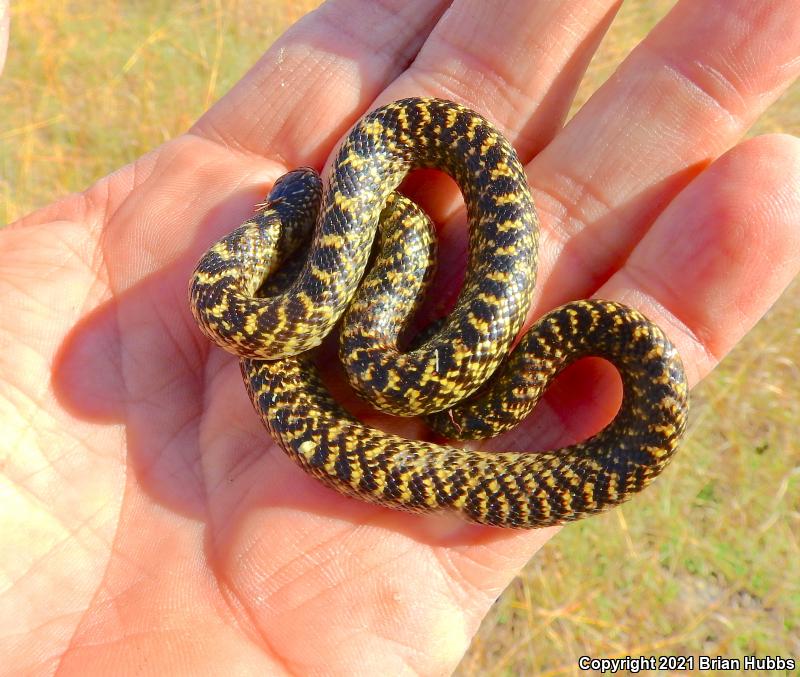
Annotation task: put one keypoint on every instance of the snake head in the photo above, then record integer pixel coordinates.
(299, 189)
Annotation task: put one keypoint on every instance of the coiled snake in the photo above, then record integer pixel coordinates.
(273, 328)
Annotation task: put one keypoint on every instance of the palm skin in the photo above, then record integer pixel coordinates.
(149, 524)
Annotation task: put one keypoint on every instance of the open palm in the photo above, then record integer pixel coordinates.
(148, 520)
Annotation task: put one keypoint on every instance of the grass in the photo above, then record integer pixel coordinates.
(704, 563)
(78, 104)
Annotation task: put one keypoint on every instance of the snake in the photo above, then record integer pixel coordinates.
(353, 252)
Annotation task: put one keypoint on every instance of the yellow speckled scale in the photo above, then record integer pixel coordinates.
(461, 377)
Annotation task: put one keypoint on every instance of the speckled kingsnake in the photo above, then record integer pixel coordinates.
(273, 330)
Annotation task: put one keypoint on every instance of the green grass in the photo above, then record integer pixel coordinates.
(90, 86)
(705, 562)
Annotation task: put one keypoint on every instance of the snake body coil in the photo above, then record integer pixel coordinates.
(234, 304)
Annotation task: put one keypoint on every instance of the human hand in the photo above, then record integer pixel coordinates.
(147, 515)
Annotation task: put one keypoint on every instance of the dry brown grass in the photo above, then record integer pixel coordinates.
(705, 562)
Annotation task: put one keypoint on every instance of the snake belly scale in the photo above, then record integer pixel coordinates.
(462, 377)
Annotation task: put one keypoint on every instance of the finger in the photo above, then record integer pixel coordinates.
(713, 263)
(684, 96)
(313, 83)
(517, 62)
(722, 253)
